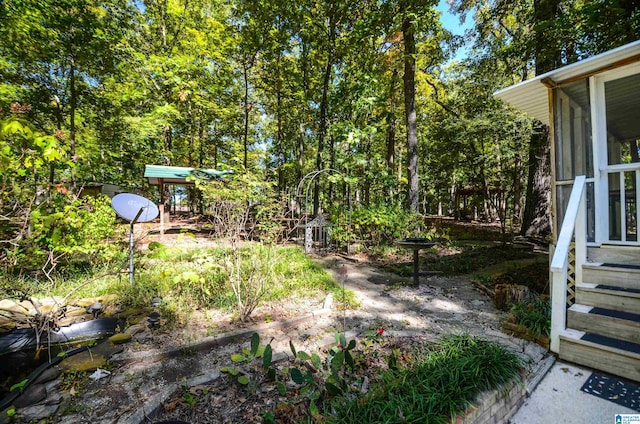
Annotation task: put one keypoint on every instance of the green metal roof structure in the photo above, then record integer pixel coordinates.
(177, 175)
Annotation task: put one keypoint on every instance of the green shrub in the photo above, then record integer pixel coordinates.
(439, 386)
(74, 231)
(534, 315)
(378, 224)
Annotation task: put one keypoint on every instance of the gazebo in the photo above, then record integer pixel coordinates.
(162, 175)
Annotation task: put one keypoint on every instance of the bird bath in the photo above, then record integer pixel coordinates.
(416, 244)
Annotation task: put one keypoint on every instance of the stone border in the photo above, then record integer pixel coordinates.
(224, 339)
(494, 407)
(150, 408)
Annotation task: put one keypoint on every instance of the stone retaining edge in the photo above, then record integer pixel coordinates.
(150, 408)
(494, 407)
(208, 343)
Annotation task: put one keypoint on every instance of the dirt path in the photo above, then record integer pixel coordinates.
(439, 306)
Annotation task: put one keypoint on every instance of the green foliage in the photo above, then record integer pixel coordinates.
(378, 224)
(45, 224)
(20, 385)
(24, 155)
(318, 381)
(437, 388)
(188, 397)
(470, 258)
(534, 315)
(235, 203)
(258, 364)
(321, 380)
(78, 230)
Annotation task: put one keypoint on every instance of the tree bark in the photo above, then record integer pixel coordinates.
(245, 135)
(280, 131)
(536, 220)
(537, 211)
(410, 112)
(323, 127)
(391, 130)
(168, 144)
(73, 102)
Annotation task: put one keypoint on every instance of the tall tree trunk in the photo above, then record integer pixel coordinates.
(279, 131)
(59, 121)
(305, 91)
(536, 220)
(516, 187)
(72, 116)
(168, 144)
(201, 143)
(410, 112)
(245, 135)
(300, 151)
(200, 160)
(366, 189)
(322, 130)
(391, 130)
(191, 145)
(332, 163)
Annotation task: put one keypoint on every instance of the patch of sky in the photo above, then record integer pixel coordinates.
(451, 22)
(140, 5)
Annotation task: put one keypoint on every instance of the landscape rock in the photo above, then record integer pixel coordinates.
(37, 412)
(508, 294)
(51, 300)
(48, 375)
(68, 321)
(136, 328)
(107, 349)
(84, 361)
(75, 311)
(120, 338)
(33, 394)
(11, 308)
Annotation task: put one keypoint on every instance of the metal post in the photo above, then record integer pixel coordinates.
(416, 268)
(131, 253)
(131, 271)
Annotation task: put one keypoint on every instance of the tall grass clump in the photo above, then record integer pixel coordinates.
(440, 385)
(534, 314)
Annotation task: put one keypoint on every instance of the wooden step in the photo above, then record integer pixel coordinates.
(619, 275)
(614, 254)
(602, 353)
(606, 322)
(608, 297)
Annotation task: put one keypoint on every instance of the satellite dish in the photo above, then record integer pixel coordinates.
(133, 208)
(128, 206)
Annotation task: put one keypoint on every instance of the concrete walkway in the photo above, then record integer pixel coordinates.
(558, 399)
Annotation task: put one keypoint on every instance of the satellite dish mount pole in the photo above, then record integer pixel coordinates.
(131, 271)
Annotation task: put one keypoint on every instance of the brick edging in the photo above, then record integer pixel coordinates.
(499, 405)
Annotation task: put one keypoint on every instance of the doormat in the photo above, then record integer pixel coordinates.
(613, 389)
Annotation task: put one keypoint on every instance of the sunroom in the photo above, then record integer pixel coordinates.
(592, 108)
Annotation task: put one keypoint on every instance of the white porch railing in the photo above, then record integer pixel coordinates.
(574, 222)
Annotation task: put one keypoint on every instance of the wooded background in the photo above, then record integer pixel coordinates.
(91, 91)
